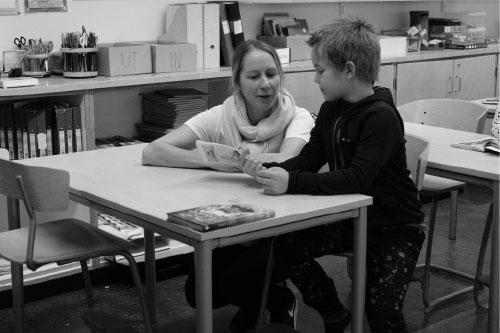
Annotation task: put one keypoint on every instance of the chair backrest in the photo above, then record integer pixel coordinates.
(46, 188)
(448, 113)
(417, 151)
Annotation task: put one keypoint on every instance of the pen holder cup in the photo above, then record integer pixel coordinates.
(79, 62)
(36, 65)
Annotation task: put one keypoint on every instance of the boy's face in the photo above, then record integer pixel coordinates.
(331, 82)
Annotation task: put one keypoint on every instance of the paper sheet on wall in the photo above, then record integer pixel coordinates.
(9, 7)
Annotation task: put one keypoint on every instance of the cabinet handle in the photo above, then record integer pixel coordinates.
(450, 85)
(459, 83)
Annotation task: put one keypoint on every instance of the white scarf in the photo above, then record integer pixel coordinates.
(267, 135)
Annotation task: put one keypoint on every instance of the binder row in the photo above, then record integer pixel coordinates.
(214, 27)
(40, 128)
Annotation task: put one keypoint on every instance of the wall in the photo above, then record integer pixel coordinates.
(122, 20)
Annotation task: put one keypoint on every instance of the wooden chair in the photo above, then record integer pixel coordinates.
(447, 113)
(61, 241)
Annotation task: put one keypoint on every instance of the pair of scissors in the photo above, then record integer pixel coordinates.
(20, 42)
(84, 38)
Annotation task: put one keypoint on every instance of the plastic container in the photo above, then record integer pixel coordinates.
(36, 65)
(79, 62)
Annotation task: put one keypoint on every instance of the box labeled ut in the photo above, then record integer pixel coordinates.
(123, 59)
(174, 57)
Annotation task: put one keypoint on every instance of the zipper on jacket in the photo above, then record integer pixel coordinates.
(335, 142)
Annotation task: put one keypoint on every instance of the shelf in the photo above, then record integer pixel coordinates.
(174, 248)
(44, 273)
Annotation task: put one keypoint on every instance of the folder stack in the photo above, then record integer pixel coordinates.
(167, 109)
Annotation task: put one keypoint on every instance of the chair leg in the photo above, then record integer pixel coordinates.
(87, 283)
(428, 252)
(17, 296)
(478, 284)
(266, 284)
(140, 291)
(452, 234)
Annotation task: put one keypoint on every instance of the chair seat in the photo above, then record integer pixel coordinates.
(60, 241)
(436, 185)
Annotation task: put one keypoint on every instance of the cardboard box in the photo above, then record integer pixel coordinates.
(173, 57)
(117, 59)
(299, 50)
(284, 55)
(392, 46)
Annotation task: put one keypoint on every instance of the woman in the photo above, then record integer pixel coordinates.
(260, 117)
(262, 120)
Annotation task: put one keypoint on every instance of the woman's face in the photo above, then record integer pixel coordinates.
(259, 83)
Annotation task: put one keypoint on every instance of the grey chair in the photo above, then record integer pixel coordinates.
(61, 241)
(453, 114)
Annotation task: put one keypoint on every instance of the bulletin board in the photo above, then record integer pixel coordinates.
(45, 6)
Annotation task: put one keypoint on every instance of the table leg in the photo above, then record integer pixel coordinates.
(359, 274)
(203, 271)
(494, 308)
(150, 273)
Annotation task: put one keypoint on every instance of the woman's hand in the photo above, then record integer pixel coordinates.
(223, 168)
(273, 180)
(250, 163)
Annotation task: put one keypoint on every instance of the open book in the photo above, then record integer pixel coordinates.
(217, 216)
(216, 153)
(489, 144)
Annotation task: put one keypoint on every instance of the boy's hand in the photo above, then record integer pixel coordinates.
(273, 180)
(250, 163)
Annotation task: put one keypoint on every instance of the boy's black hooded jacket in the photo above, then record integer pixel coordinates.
(364, 146)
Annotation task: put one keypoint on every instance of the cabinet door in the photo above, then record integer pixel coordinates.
(474, 77)
(303, 89)
(424, 80)
(386, 78)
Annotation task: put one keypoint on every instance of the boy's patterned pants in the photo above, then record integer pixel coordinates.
(392, 253)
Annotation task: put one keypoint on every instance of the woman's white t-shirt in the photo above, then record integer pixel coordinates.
(207, 125)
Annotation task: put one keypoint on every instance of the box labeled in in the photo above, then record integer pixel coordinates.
(391, 46)
(299, 50)
(284, 55)
(117, 59)
(173, 57)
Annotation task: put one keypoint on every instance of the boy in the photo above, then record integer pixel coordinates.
(360, 134)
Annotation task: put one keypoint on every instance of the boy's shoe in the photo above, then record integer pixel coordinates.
(285, 309)
(338, 321)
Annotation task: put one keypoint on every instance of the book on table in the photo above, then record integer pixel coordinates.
(489, 144)
(217, 153)
(217, 216)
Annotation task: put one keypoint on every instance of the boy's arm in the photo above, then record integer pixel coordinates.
(381, 136)
(312, 156)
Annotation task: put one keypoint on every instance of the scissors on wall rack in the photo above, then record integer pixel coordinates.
(20, 42)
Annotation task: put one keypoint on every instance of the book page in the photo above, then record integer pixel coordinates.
(218, 153)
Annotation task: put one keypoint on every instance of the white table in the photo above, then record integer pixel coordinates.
(114, 181)
(471, 167)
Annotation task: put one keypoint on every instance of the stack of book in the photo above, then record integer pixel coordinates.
(39, 128)
(164, 110)
(114, 141)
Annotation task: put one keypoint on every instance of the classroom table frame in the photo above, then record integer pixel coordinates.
(105, 192)
(470, 167)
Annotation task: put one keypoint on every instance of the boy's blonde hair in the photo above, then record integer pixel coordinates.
(349, 40)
